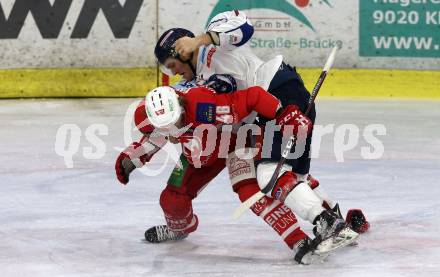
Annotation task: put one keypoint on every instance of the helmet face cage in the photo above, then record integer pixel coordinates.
(165, 46)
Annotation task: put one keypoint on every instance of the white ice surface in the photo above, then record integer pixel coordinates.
(56, 221)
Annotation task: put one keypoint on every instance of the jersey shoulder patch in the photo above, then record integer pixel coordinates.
(205, 113)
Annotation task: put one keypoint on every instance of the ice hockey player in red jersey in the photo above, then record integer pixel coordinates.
(199, 107)
(187, 181)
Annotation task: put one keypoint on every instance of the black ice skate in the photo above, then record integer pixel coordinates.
(304, 252)
(337, 211)
(161, 233)
(332, 233)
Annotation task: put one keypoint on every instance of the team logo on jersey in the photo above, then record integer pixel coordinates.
(209, 57)
(289, 7)
(238, 166)
(205, 113)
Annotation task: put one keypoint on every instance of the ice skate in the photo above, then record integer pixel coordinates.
(162, 233)
(332, 233)
(305, 254)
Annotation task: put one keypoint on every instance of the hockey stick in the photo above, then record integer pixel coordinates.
(257, 196)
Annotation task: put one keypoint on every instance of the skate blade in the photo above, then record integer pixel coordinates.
(344, 238)
(354, 244)
(314, 258)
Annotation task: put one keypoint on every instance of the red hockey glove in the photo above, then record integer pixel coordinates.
(292, 116)
(132, 157)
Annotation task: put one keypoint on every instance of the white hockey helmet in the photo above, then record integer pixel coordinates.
(162, 106)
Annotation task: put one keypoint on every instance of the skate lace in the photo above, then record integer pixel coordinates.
(163, 233)
(328, 227)
(322, 228)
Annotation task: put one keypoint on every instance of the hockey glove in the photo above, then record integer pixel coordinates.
(292, 116)
(222, 83)
(132, 157)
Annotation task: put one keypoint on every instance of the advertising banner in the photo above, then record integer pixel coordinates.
(400, 28)
(387, 34)
(384, 34)
(77, 33)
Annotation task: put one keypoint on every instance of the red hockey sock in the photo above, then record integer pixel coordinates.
(273, 212)
(178, 211)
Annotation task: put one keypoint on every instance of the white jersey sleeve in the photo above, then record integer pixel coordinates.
(232, 27)
(241, 64)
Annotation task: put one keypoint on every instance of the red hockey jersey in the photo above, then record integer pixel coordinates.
(203, 106)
